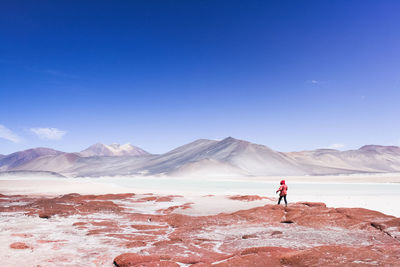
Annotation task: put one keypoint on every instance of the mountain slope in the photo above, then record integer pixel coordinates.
(228, 157)
(60, 163)
(22, 157)
(369, 158)
(247, 158)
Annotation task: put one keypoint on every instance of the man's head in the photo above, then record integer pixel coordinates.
(283, 182)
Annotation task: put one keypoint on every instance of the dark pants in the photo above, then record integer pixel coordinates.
(280, 198)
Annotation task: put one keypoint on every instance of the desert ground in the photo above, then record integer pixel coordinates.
(166, 221)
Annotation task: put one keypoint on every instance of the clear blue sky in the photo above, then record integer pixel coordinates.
(292, 75)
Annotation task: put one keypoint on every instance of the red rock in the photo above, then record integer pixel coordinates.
(102, 231)
(246, 198)
(58, 246)
(22, 235)
(276, 233)
(314, 204)
(134, 237)
(147, 226)
(319, 217)
(44, 241)
(99, 206)
(164, 199)
(101, 260)
(249, 236)
(19, 245)
(132, 259)
(169, 209)
(364, 214)
(158, 264)
(261, 259)
(220, 239)
(342, 256)
(179, 220)
(107, 223)
(256, 256)
(114, 196)
(135, 244)
(148, 199)
(173, 208)
(187, 205)
(201, 264)
(390, 227)
(79, 223)
(157, 233)
(44, 215)
(272, 214)
(186, 252)
(167, 242)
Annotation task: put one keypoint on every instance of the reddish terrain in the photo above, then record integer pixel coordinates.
(148, 230)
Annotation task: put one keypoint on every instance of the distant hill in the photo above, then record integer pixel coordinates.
(16, 159)
(32, 174)
(369, 158)
(59, 163)
(112, 150)
(249, 158)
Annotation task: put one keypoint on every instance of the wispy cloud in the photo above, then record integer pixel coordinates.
(314, 82)
(336, 146)
(58, 73)
(9, 135)
(52, 72)
(48, 133)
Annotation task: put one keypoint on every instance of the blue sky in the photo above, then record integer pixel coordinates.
(292, 75)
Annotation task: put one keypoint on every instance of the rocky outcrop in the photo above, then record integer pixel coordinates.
(142, 230)
(19, 245)
(247, 198)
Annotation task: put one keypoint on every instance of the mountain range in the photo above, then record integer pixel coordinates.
(203, 157)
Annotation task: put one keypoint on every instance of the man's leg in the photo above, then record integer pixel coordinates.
(279, 201)
(285, 200)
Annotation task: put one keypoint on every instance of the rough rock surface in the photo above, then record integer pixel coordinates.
(19, 245)
(148, 230)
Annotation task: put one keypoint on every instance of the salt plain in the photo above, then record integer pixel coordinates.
(350, 191)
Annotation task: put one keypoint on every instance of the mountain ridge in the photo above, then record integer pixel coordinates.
(202, 157)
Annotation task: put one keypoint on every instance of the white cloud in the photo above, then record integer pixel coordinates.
(336, 146)
(7, 134)
(48, 133)
(315, 82)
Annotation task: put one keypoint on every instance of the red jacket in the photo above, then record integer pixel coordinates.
(283, 188)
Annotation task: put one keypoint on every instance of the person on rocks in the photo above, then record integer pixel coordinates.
(283, 192)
